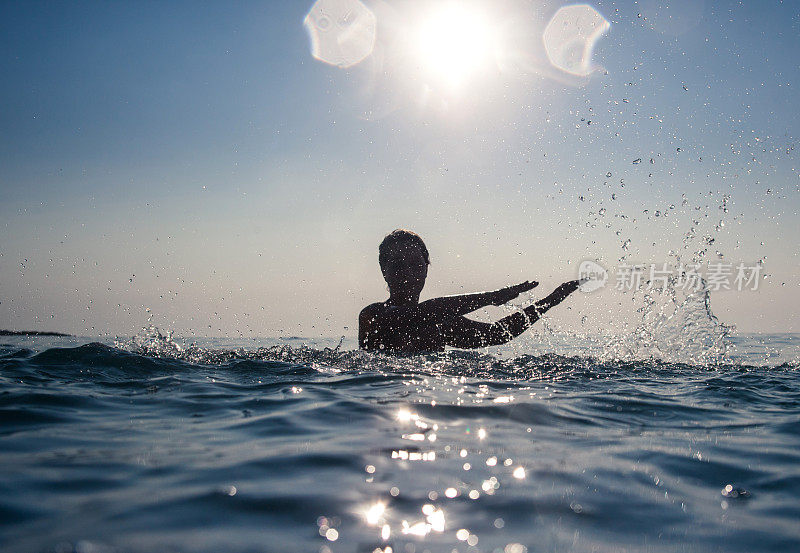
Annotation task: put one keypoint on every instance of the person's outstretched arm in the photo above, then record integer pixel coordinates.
(452, 306)
(381, 324)
(466, 333)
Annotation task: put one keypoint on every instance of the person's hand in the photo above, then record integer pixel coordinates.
(557, 296)
(505, 295)
(566, 289)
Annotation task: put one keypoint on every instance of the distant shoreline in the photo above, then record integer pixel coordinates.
(31, 333)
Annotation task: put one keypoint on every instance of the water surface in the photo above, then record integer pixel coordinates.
(270, 445)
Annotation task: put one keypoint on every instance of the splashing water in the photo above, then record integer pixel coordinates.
(676, 326)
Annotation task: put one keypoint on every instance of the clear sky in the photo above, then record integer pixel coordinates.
(193, 163)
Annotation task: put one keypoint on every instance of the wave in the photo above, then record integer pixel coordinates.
(157, 354)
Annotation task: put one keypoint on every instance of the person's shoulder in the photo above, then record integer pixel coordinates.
(372, 310)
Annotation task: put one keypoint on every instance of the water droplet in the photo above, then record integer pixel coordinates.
(732, 492)
(347, 19)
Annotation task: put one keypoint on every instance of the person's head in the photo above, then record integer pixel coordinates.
(404, 262)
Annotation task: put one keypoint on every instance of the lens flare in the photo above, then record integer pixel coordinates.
(571, 36)
(342, 32)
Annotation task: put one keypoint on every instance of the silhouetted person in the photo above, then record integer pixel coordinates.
(403, 324)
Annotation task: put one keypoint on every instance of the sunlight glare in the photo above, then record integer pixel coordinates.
(420, 529)
(375, 513)
(455, 41)
(435, 517)
(404, 415)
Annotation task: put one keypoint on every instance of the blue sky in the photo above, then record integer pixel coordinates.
(195, 160)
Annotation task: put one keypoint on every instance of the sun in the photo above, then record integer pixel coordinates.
(454, 42)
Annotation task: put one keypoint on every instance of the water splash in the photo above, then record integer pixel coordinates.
(151, 342)
(676, 326)
(677, 323)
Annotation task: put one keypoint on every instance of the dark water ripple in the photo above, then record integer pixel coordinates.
(287, 449)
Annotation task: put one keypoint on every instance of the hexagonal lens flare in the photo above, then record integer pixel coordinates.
(342, 32)
(570, 38)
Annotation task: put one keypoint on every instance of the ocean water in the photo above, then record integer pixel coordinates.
(296, 445)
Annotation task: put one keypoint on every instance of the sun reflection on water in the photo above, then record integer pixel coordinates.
(489, 486)
(434, 522)
(435, 517)
(404, 415)
(474, 472)
(375, 513)
(418, 529)
(406, 455)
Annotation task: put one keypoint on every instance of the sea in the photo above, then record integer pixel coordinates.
(560, 443)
